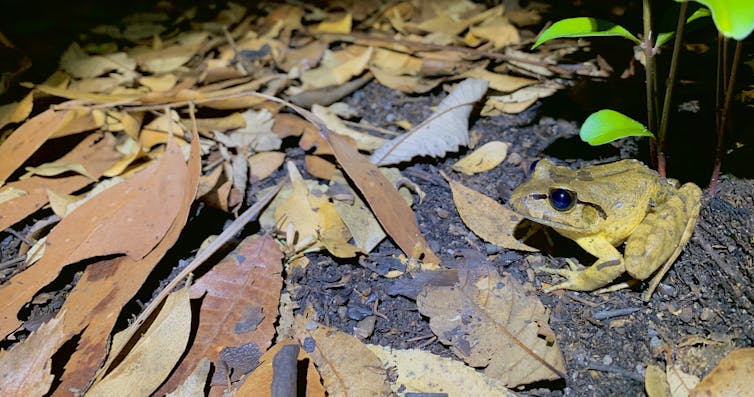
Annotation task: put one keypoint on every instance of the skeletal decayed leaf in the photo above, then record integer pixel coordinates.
(484, 158)
(730, 378)
(257, 134)
(680, 382)
(445, 130)
(347, 366)
(486, 217)
(152, 358)
(417, 372)
(25, 370)
(492, 322)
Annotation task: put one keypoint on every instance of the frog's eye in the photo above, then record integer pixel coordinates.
(562, 199)
(532, 166)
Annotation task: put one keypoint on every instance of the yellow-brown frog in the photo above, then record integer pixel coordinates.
(601, 206)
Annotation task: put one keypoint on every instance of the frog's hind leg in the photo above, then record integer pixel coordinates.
(659, 239)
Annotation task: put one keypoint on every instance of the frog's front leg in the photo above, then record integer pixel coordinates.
(608, 267)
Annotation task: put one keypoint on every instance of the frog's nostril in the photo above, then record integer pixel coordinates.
(562, 199)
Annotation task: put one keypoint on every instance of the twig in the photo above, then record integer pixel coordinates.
(605, 314)
(724, 119)
(12, 262)
(616, 370)
(665, 116)
(247, 216)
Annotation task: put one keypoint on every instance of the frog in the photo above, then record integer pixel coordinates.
(601, 207)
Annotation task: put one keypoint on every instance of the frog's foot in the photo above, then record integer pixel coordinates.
(581, 278)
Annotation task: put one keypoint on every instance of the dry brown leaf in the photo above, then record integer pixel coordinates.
(337, 67)
(396, 63)
(96, 152)
(259, 383)
(407, 84)
(313, 218)
(29, 137)
(395, 216)
(347, 366)
(500, 82)
(80, 65)
(56, 168)
(730, 378)
(363, 140)
(239, 306)
(231, 122)
(486, 217)
(130, 218)
(417, 372)
(498, 31)
(25, 370)
(447, 129)
(106, 286)
(262, 165)
(518, 101)
(493, 322)
(362, 224)
(484, 158)
(318, 167)
(153, 356)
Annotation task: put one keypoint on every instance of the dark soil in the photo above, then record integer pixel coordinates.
(607, 340)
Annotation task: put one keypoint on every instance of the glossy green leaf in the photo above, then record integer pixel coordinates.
(734, 18)
(691, 23)
(608, 125)
(583, 27)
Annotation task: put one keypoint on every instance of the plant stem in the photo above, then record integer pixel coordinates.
(724, 119)
(651, 78)
(670, 84)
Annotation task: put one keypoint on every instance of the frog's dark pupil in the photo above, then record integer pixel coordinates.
(533, 165)
(562, 199)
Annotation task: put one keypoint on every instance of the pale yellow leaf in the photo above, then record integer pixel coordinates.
(80, 65)
(131, 150)
(55, 168)
(500, 82)
(730, 378)
(194, 384)
(165, 60)
(396, 63)
(341, 25)
(9, 193)
(347, 366)
(17, 111)
(447, 129)
(407, 84)
(363, 140)
(498, 31)
(655, 382)
(417, 372)
(333, 71)
(357, 216)
(681, 383)
(154, 355)
(160, 83)
(59, 202)
(486, 217)
(518, 101)
(484, 158)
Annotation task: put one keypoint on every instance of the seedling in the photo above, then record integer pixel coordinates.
(733, 19)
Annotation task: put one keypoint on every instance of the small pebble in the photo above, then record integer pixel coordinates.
(607, 360)
(390, 118)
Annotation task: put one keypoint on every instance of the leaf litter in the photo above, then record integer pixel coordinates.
(175, 112)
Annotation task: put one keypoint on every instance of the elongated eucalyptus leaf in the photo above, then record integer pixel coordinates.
(734, 18)
(608, 125)
(583, 27)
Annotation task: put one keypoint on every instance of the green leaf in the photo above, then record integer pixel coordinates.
(696, 16)
(734, 18)
(608, 125)
(583, 27)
